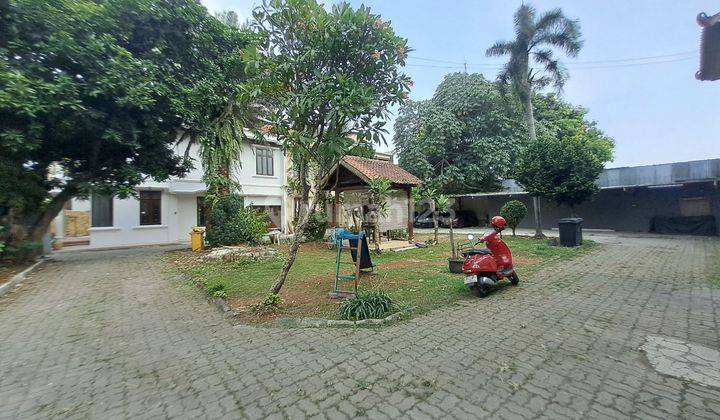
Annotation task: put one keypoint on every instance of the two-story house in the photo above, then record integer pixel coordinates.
(165, 212)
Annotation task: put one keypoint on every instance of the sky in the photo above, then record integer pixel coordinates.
(656, 112)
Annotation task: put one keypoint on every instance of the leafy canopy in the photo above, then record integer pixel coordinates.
(97, 91)
(330, 76)
(568, 156)
(464, 139)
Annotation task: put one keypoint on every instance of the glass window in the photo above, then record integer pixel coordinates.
(264, 161)
(101, 208)
(150, 208)
(201, 211)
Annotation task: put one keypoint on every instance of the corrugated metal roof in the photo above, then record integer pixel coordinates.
(665, 174)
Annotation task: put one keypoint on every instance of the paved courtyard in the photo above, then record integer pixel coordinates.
(112, 334)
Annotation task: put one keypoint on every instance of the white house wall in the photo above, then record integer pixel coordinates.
(179, 201)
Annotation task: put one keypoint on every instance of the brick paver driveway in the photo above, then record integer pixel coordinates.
(108, 334)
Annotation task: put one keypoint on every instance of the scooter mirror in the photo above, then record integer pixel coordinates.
(470, 236)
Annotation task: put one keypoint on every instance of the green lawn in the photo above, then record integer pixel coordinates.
(417, 278)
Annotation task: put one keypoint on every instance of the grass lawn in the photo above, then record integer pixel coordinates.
(417, 278)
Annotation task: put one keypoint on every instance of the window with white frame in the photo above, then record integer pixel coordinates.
(264, 161)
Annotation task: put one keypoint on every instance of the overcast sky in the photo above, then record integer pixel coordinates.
(657, 112)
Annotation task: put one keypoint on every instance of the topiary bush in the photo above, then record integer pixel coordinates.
(372, 304)
(231, 223)
(514, 212)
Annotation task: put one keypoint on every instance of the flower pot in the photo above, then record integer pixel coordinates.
(455, 265)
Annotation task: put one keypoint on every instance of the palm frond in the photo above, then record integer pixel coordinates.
(500, 48)
(550, 21)
(524, 23)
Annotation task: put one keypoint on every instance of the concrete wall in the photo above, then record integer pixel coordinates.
(629, 209)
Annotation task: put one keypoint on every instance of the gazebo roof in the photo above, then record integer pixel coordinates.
(354, 171)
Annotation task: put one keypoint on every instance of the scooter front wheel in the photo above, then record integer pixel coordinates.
(514, 279)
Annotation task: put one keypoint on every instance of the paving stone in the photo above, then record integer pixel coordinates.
(113, 334)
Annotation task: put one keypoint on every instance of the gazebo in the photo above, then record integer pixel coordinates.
(353, 173)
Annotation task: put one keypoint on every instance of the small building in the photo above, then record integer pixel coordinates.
(682, 197)
(351, 177)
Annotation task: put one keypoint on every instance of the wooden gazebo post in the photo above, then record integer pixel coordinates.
(411, 214)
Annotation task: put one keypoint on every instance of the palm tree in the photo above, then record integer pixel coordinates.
(532, 65)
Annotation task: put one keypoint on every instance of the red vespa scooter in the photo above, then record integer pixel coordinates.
(485, 267)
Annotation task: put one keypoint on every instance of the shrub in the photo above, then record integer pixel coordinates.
(317, 225)
(220, 294)
(22, 252)
(514, 212)
(214, 289)
(231, 223)
(367, 304)
(269, 304)
(272, 300)
(398, 234)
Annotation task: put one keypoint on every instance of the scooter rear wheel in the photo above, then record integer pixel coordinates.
(514, 279)
(481, 290)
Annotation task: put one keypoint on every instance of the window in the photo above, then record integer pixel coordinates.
(150, 208)
(264, 161)
(200, 211)
(101, 207)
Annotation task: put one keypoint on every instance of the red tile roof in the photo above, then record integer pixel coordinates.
(374, 168)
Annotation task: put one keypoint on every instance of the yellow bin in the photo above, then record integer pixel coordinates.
(196, 238)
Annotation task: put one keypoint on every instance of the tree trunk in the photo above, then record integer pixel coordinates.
(513, 229)
(452, 240)
(305, 211)
(294, 246)
(530, 122)
(530, 118)
(435, 222)
(42, 221)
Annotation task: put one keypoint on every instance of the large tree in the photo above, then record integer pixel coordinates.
(93, 95)
(464, 139)
(569, 154)
(330, 76)
(532, 63)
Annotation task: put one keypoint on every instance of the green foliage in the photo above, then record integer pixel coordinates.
(216, 289)
(373, 304)
(329, 75)
(464, 139)
(379, 191)
(397, 234)
(92, 93)
(220, 294)
(22, 252)
(317, 224)
(231, 223)
(272, 300)
(531, 64)
(514, 212)
(565, 161)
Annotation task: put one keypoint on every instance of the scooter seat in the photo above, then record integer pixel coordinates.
(477, 251)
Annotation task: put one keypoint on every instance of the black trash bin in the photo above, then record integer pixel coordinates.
(570, 231)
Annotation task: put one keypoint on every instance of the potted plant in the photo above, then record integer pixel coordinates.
(442, 204)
